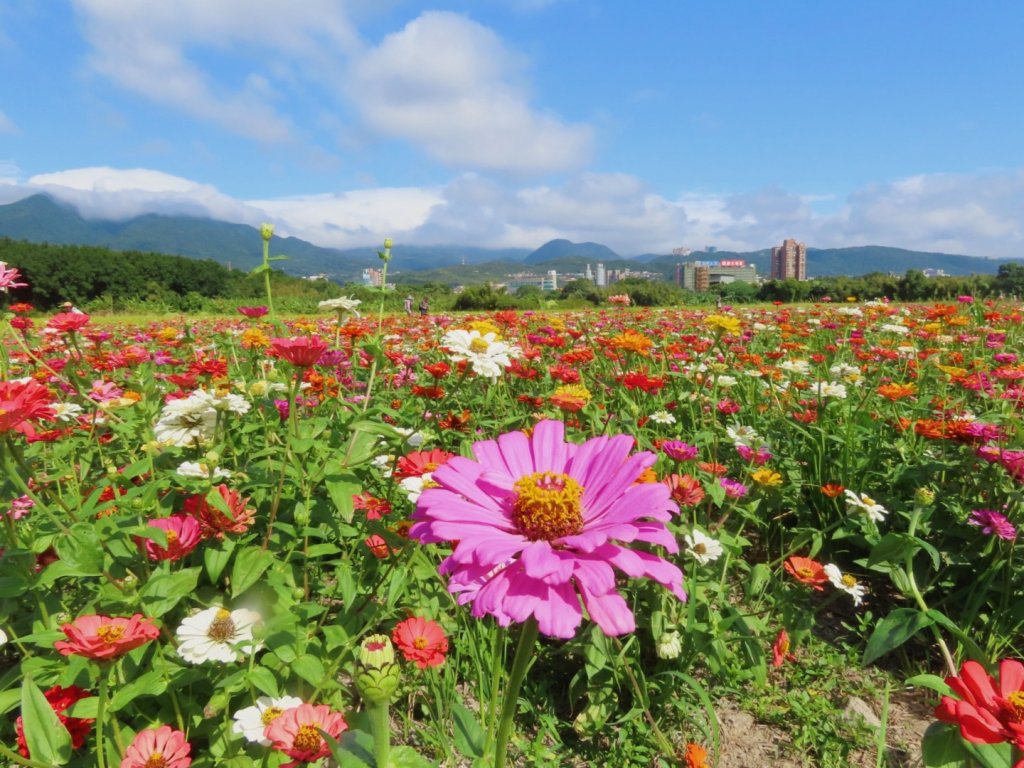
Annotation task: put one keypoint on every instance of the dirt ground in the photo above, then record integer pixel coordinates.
(746, 743)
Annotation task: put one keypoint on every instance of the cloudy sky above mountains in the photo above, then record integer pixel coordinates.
(512, 122)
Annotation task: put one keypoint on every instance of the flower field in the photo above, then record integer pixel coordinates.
(515, 538)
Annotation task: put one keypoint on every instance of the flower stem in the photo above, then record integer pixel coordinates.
(101, 705)
(521, 662)
(380, 727)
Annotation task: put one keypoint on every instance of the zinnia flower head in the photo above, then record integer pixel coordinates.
(987, 711)
(21, 401)
(9, 277)
(807, 571)
(217, 634)
(993, 523)
(252, 722)
(678, 450)
(866, 504)
(845, 583)
(105, 637)
(161, 747)
(183, 534)
(300, 351)
(538, 521)
(297, 732)
(421, 641)
(228, 512)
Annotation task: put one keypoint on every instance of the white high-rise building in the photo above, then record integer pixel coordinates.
(601, 279)
(588, 275)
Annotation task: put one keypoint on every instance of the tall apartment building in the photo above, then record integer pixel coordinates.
(789, 261)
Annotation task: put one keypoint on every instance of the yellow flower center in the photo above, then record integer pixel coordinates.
(867, 500)
(270, 714)
(849, 581)
(307, 739)
(479, 344)
(171, 537)
(156, 760)
(110, 633)
(700, 548)
(805, 572)
(222, 628)
(1015, 703)
(420, 642)
(547, 506)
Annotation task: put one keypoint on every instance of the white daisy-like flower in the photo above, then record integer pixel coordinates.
(725, 381)
(252, 722)
(217, 634)
(846, 583)
(414, 486)
(662, 417)
(869, 506)
(487, 356)
(894, 328)
(801, 367)
(232, 403)
(848, 373)
(341, 304)
(830, 389)
(413, 438)
(743, 435)
(201, 470)
(3, 638)
(66, 412)
(702, 547)
(188, 420)
(669, 645)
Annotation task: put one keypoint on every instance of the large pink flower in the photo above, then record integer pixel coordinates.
(297, 732)
(163, 747)
(538, 521)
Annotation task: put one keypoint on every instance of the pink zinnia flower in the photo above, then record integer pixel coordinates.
(678, 450)
(300, 351)
(163, 747)
(733, 488)
(22, 401)
(183, 534)
(537, 520)
(9, 277)
(253, 312)
(105, 637)
(68, 322)
(993, 523)
(297, 732)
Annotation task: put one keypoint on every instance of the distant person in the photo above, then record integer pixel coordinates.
(67, 306)
(408, 305)
(424, 306)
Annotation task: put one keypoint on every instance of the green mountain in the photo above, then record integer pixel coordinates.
(562, 249)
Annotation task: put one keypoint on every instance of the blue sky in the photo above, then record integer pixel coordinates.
(644, 126)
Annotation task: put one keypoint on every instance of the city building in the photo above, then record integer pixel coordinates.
(700, 276)
(789, 261)
(602, 279)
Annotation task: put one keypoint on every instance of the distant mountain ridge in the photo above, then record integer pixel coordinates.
(39, 218)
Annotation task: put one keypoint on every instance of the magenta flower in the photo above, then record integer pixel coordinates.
(538, 521)
(678, 450)
(9, 277)
(993, 523)
(733, 488)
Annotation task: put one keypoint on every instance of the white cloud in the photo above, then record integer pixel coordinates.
(451, 86)
(150, 47)
(6, 124)
(975, 214)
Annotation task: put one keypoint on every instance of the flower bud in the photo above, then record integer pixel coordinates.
(669, 646)
(385, 255)
(266, 231)
(924, 497)
(378, 675)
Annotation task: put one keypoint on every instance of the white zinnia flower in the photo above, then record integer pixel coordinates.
(232, 403)
(703, 548)
(796, 366)
(833, 389)
(871, 508)
(488, 356)
(216, 634)
(201, 470)
(66, 411)
(741, 435)
(846, 583)
(188, 420)
(414, 486)
(725, 381)
(341, 304)
(252, 722)
(663, 417)
(3, 638)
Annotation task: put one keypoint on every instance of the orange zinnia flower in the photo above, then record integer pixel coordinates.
(807, 571)
(695, 757)
(832, 490)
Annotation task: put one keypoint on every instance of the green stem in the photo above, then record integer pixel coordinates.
(380, 727)
(266, 278)
(521, 662)
(908, 567)
(16, 758)
(101, 706)
(663, 742)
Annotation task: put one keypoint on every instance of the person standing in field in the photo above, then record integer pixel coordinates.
(408, 305)
(424, 306)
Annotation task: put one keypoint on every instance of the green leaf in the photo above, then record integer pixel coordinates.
(81, 551)
(892, 548)
(991, 755)
(48, 740)
(86, 708)
(249, 566)
(407, 757)
(894, 630)
(278, 258)
(150, 684)
(942, 747)
(353, 750)
(341, 489)
(165, 589)
(216, 560)
(260, 269)
(9, 700)
(264, 680)
(309, 668)
(469, 736)
(932, 683)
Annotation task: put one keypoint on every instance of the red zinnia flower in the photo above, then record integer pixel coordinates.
(300, 351)
(105, 637)
(21, 401)
(419, 463)
(421, 641)
(833, 490)
(61, 699)
(235, 517)
(685, 490)
(253, 312)
(161, 747)
(183, 534)
(807, 571)
(297, 732)
(780, 649)
(375, 508)
(986, 712)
